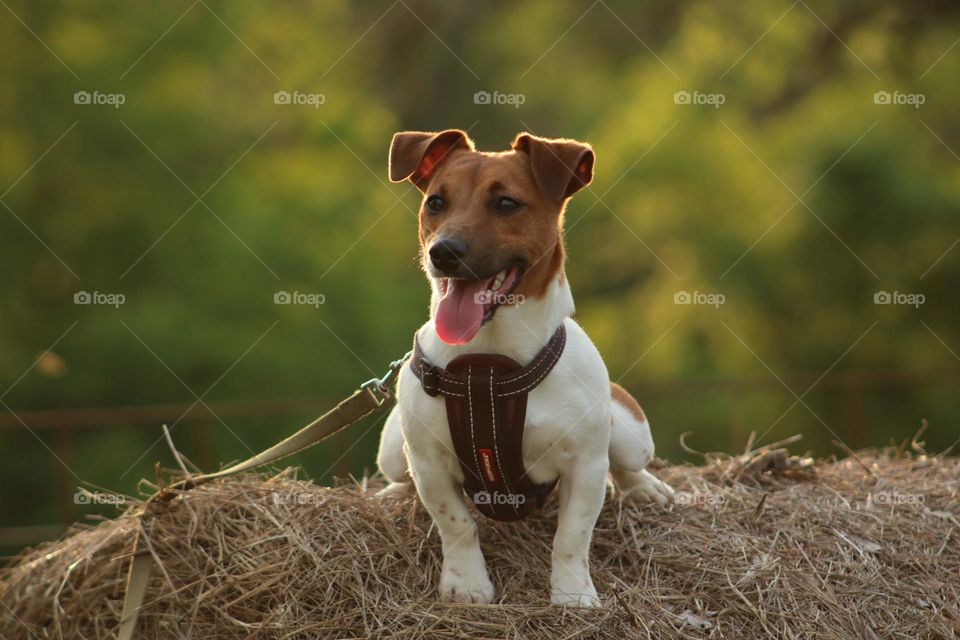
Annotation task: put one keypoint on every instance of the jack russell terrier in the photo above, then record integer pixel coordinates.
(505, 395)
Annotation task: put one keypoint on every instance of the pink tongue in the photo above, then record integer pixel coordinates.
(460, 313)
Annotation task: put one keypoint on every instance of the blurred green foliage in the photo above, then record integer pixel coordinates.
(200, 197)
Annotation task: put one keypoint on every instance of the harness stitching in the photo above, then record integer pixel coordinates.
(473, 441)
(496, 450)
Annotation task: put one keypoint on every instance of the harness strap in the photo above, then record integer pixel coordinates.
(439, 381)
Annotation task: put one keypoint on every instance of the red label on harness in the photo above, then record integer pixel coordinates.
(486, 461)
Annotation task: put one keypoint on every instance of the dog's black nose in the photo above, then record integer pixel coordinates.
(448, 254)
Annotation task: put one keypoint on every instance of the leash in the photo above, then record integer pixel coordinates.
(369, 397)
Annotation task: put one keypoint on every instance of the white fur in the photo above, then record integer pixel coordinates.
(570, 419)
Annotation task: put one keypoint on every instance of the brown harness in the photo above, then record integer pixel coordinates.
(486, 398)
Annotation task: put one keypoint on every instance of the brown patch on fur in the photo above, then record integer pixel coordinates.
(538, 278)
(620, 395)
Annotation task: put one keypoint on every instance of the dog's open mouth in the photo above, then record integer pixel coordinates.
(466, 304)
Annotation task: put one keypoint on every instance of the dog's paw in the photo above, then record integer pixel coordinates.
(571, 587)
(568, 599)
(395, 489)
(459, 585)
(646, 487)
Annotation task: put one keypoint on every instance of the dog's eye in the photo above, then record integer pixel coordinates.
(505, 204)
(435, 204)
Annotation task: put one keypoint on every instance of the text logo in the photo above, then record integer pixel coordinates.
(697, 98)
(297, 297)
(95, 297)
(97, 98)
(896, 498)
(495, 297)
(911, 99)
(297, 98)
(699, 498)
(98, 497)
(911, 299)
(513, 99)
(486, 461)
(712, 299)
(492, 498)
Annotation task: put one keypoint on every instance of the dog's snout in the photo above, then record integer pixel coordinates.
(448, 254)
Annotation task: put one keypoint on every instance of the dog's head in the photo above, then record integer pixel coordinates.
(490, 223)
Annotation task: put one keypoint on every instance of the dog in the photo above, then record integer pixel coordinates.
(491, 245)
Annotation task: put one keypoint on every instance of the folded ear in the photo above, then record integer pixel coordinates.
(417, 154)
(560, 166)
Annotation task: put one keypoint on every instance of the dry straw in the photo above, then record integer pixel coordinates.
(762, 545)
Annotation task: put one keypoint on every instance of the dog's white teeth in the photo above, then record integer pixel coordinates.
(499, 280)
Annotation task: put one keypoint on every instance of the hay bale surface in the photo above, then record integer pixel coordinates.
(857, 548)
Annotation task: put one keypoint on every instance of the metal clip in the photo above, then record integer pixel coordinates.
(379, 388)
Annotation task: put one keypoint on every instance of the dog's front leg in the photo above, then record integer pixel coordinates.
(464, 575)
(582, 490)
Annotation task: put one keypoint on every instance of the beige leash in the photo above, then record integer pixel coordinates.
(369, 397)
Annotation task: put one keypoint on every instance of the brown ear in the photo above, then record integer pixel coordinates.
(560, 166)
(417, 154)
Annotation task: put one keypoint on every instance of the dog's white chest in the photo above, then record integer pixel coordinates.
(567, 414)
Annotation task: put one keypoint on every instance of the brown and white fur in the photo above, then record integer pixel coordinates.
(579, 425)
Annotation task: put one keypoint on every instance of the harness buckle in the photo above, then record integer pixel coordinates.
(430, 379)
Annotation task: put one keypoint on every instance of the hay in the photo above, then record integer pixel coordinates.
(756, 547)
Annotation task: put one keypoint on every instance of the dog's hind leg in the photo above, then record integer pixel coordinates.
(631, 450)
(390, 457)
